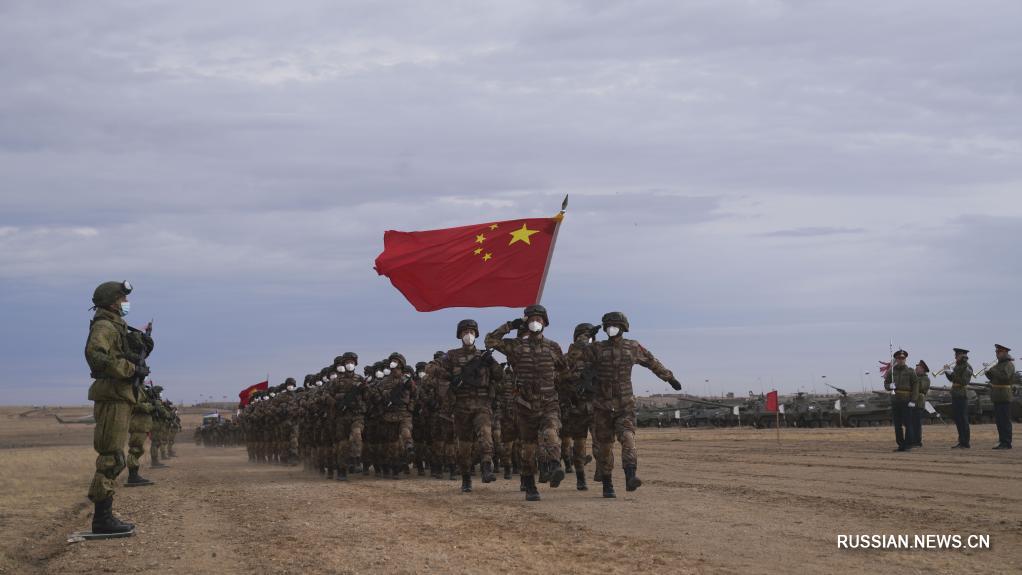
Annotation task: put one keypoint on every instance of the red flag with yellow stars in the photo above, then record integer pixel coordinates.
(483, 265)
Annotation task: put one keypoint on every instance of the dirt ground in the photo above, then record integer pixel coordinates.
(714, 501)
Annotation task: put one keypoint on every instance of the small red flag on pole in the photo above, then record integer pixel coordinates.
(771, 404)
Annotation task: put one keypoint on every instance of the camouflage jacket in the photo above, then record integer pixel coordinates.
(347, 395)
(613, 360)
(1002, 377)
(107, 352)
(573, 399)
(393, 396)
(537, 361)
(960, 378)
(452, 367)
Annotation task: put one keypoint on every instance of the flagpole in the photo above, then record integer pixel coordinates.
(553, 243)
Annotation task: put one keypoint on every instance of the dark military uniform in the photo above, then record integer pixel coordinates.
(442, 419)
(923, 373)
(906, 388)
(1002, 377)
(960, 378)
(575, 394)
(392, 397)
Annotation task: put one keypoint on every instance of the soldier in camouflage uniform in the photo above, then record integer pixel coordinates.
(575, 394)
(138, 429)
(1002, 377)
(505, 414)
(347, 397)
(905, 384)
(960, 378)
(614, 404)
(115, 371)
(392, 397)
(372, 448)
(421, 419)
(537, 363)
(442, 422)
(468, 373)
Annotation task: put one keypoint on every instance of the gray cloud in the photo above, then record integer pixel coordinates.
(778, 187)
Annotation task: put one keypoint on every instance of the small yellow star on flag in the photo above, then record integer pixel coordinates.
(478, 251)
(487, 257)
(494, 226)
(480, 239)
(522, 235)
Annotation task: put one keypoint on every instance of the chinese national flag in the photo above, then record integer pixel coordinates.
(248, 391)
(483, 265)
(771, 401)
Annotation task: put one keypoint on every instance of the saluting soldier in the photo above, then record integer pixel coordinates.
(905, 384)
(1002, 376)
(113, 394)
(614, 404)
(960, 378)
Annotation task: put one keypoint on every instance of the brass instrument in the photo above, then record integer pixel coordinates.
(947, 367)
(986, 366)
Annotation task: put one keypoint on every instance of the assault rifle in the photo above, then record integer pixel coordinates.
(349, 398)
(472, 373)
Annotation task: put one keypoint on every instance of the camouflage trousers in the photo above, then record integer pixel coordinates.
(508, 434)
(396, 438)
(442, 435)
(108, 439)
(574, 435)
(348, 437)
(538, 430)
(614, 424)
(138, 428)
(473, 420)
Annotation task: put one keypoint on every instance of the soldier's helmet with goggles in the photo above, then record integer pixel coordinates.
(107, 293)
(615, 318)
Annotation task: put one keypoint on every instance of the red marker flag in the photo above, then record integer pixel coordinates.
(771, 404)
(482, 265)
(248, 391)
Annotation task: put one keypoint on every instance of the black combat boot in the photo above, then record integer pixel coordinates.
(342, 473)
(466, 483)
(608, 488)
(103, 520)
(597, 475)
(488, 476)
(507, 472)
(531, 493)
(436, 470)
(155, 460)
(556, 473)
(452, 470)
(330, 473)
(544, 472)
(567, 464)
(631, 481)
(521, 483)
(580, 480)
(135, 479)
(420, 468)
(395, 471)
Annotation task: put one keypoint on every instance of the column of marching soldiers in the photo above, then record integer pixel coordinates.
(463, 412)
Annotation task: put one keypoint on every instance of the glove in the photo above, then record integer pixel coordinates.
(141, 371)
(911, 404)
(675, 383)
(518, 323)
(147, 340)
(594, 331)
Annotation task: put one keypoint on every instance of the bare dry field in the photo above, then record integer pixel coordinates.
(714, 501)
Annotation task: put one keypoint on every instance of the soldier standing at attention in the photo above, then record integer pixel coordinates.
(537, 363)
(113, 395)
(960, 378)
(906, 387)
(471, 374)
(923, 373)
(1002, 377)
(614, 404)
(138, 428)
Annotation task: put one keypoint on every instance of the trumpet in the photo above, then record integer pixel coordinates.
(986, 366)
(947, 367)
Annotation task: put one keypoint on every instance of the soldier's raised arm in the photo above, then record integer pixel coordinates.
(647, 360)
(495, 339)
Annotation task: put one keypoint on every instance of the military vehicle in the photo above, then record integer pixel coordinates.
(803, 411)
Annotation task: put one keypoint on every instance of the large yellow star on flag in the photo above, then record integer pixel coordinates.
(522, 235)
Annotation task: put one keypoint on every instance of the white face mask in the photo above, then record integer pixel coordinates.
(422, 374)
(386, 371)
(612, 330)
(379, 374)
(290, 388)
(340, 368)
(469, 338)
(535, 326)
(319, 383)
(273, 395)
(333, 376)
(393, 364)
(349, 367)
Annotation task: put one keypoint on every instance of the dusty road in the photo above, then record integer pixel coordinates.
(714, 501)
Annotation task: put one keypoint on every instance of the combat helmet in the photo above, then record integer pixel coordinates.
(467, 324)
(438, 355)
(582, 328)
(344, 357)
(420, 366)
(615, 318)
(538, 310)
(310, 380)
(107, 293)
(397, 357)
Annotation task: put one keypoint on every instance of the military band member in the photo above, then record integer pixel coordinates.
(1002, 376)
(960, 377)
(905, 384)
(923, 373)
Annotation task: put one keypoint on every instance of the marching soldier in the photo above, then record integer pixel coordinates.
(113, 393)
(468, 373)
(393, 398)
(576, 398)
(505, 414)
(537, 363)
(923, 373)
(614, 404)
(960, 378)
(349, 404)
(1002, 376)
(421, 419)
(905, 384)
(442, 426)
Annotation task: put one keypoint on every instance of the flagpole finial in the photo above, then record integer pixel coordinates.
(564, 204)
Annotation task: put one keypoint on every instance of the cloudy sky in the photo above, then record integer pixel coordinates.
(771, 190)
